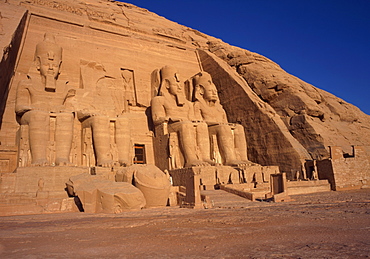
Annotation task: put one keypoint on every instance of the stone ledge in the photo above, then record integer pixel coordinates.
(304, 187)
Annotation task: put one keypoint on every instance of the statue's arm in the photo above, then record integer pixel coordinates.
(197, 112)
(69, 101)
(224, 117)
(22, 102)
(158, 111)
(191, 112)
(84, 114)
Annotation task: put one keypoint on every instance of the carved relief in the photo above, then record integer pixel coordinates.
(61, 6)
(169, 33)
(129, 86)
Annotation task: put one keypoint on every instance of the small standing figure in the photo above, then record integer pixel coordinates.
(298, 175)
(314, 175)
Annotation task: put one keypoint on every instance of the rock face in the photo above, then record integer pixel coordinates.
(110, 47)
(314, 117)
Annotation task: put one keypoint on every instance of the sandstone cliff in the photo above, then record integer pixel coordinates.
(287, 120)
(316, 118)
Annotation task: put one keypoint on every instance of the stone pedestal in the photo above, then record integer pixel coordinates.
(305, 187)
(31, 190)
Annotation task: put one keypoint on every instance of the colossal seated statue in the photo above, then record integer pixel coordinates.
(230, 137)
(106, 106)
(41, 96)
(171, 107)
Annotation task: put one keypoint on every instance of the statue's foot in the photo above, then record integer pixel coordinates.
(40, 162)
(247, 162)
(124, 163)
(196, 163)
(105, 163)
(62, 162)
(236, 163)
(210, 162)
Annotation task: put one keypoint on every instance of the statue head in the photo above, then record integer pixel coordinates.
(48, 58)
(204, 87)
(170, 80)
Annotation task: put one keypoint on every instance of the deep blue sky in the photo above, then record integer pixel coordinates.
(324, 42)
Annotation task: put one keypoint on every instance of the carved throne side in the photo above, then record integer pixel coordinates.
(166, 149)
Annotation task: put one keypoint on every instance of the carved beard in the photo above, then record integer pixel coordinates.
(50, 83)
(180, 99)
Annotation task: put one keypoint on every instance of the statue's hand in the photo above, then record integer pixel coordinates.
(160, 120)
(85, 113)
(172, 120)
(57, 109)
(66, 110)
(92, 114)
(21, 109)
(212, 123)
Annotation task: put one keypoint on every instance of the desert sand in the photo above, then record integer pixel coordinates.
(320, 225)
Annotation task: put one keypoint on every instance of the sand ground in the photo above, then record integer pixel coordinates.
(321, 225)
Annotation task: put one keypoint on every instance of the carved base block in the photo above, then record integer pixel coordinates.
(33, 190)
(304, 187)
(49, 178)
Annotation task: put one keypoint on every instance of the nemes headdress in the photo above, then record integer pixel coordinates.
(169, 72)
(48, 48)
(202, 78)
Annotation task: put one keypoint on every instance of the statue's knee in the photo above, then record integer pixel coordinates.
(239, 128)
(65, 117)
(38, 116)
(186, 126)
(202, 126)
(100, 120)
(224, 129)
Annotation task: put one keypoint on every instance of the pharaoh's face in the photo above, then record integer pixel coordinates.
(49, 65)
(210, 91)
(174, 87)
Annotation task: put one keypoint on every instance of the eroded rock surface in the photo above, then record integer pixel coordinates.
(314, 117)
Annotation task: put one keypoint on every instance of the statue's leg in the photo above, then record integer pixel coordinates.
(63, 138)
(187, 138)
(225, 143)
(101, 140)
(203, 142)
(123, 137)
(39, 135)
(240, 142)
